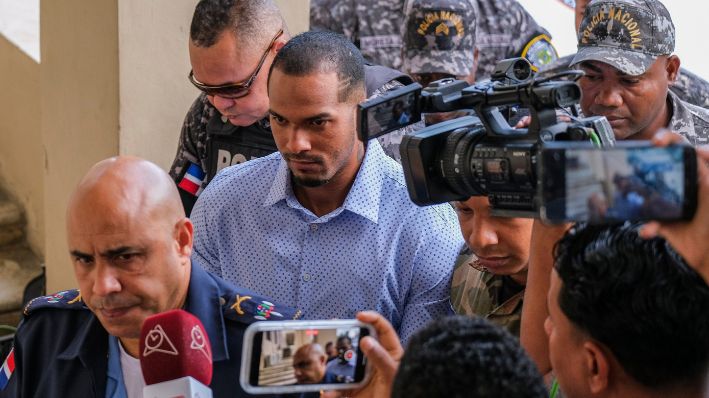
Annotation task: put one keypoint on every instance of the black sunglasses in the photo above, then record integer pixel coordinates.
(234, 90)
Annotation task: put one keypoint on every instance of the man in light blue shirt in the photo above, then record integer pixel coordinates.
(326, 223)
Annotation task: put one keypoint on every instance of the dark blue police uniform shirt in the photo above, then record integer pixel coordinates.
(61, 348)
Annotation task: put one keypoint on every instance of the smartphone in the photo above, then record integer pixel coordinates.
(291, 356)
(396, 109)
(631, 181)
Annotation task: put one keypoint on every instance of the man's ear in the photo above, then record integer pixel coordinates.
(278, 45)
(597, 369)
(184, 233)
(672, 68)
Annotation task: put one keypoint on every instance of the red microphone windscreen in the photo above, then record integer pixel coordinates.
(174, 344)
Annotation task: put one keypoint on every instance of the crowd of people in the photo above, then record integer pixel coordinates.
(274, 209)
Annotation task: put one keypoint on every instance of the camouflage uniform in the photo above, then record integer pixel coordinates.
(374, 26)
(689, 120)
(439, 36)
(476, 292)
(504, 30)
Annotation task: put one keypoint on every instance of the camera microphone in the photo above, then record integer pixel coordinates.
(175, 356)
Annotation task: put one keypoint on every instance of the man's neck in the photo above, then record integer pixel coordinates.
(323, 199)
(131, 346)
(326, 198)
(660, 122)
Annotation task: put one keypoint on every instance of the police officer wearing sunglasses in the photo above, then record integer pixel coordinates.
(232, 45)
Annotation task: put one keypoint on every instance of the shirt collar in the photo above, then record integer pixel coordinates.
(364, 196)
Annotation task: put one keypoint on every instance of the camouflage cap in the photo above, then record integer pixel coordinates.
(439, 36)
(626, 34)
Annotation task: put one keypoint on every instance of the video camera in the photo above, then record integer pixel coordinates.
(483, 155)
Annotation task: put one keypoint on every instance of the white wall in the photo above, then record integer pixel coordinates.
(689, 17)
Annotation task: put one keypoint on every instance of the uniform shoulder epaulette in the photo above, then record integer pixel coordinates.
(246, 307)
(66, 299)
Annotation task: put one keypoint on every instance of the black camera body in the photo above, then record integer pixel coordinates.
(484, 155)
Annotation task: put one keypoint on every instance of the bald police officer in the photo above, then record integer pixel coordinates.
(130, 246)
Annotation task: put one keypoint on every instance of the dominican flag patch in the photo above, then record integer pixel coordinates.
(192, 180)
(7, 368)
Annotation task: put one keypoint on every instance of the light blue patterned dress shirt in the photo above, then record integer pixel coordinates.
(378, 251)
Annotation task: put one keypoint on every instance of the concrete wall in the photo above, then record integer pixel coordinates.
(79, 109)
(21, 149)
(154, 91)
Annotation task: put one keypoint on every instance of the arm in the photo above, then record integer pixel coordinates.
(191, 146)
(384, 353)
(192, 135)
(429, 291)
(688, 238)
(534, 311)
(206, 237)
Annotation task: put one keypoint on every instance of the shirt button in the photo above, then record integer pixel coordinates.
(313, 227)
(306, 277)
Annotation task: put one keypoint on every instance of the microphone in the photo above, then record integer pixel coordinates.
(175, 356)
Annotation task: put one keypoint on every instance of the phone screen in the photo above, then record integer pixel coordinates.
(315, 356)
(633, 183)
(396, 109)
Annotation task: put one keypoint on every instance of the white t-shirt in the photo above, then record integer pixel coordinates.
(132, 374)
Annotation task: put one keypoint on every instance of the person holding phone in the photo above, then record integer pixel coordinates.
(629, 84)
(688, 238)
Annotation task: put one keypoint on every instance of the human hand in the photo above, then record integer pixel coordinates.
(689, 238)
(525, 121)
(383, 353)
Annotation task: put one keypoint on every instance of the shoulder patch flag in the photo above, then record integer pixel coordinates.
(192, 180)
(7, 369)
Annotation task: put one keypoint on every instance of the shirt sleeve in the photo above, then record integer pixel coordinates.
(204, 251)
(429, 294)
(13, 388)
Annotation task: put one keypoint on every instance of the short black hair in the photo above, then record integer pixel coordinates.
(459, 356)
(638, 298)
(323, 52)
(252, 19)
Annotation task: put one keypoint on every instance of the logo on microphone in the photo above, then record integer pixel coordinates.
(199, 342)
(157, 341)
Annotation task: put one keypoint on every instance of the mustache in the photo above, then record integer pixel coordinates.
(302, 157)
(113, 301)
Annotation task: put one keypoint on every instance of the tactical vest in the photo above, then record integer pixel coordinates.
(228, 145)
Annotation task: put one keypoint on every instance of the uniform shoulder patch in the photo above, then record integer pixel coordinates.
(66, 299)
(539, 51)
(248, 308)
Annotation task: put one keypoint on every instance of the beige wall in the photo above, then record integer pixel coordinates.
(79, 109)
(21, 149)
(112, 80)
(154, 63)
